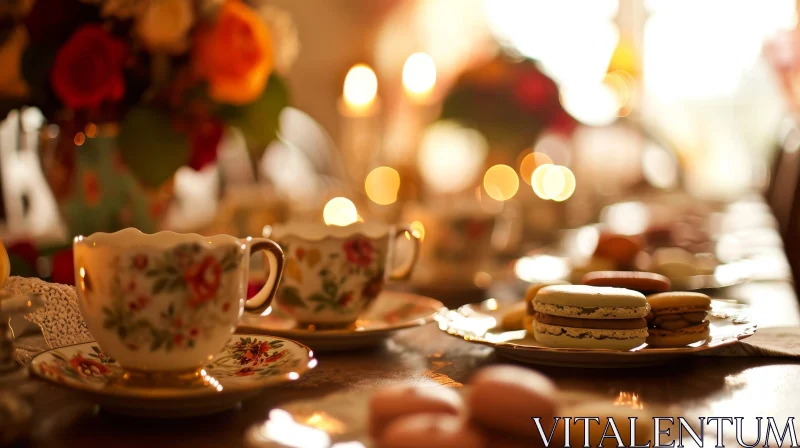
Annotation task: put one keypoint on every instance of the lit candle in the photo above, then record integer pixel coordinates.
(359, 110)
(360, 91)
(419, 78)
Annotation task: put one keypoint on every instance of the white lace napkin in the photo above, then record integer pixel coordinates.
(57, 324)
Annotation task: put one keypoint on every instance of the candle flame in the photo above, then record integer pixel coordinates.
(419, 75)
(360, 87)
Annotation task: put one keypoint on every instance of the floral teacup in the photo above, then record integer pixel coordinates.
(168, 301)
(333, 273)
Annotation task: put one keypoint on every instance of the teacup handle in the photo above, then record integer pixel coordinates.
(404, 272)
(275, 259)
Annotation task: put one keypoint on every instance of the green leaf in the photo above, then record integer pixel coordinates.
(176, 283)
(122, 332)
(172, 270)
(151, 148)
(157, 343)
(319, 308)
(190, 343)
(291, 297)
(319, 298)
(258, 121)
(171, 309)
(160, 285)
(330, 287)
(109, 324)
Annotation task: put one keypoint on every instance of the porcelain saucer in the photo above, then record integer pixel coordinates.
(247, 364)
(391, 311)
(479, 324)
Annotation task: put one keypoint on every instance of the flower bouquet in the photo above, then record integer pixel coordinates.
(510, 101)
(138, 89)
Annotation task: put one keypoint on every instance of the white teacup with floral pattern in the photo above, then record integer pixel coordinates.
(333, 273)
(168, 301)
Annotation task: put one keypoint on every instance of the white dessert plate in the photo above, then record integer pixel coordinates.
(480, 324)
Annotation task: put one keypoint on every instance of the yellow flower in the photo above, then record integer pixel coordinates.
(164, 24)
(234, 55)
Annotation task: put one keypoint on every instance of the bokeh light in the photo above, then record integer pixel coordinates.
(501, 182)
(552, 148)
(537, 180)
(593, 104)
(419, 75)
(418, 230)
(530, 162)
(382, 185)
(360, 87)
(567, 182)
(340, 211)
(554, 182)
(451, 156)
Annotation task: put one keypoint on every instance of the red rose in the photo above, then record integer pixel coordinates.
(204, 141)
(534, 91)
(24, 250)
(203, 280)
(359, 251)
(177, 339)
(346, 299)
(63, 267)
(87, 367)
(374, 286)
(88, 68)
(140, 262)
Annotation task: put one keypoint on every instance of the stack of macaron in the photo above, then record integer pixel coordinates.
(618, 310)
(495, 411)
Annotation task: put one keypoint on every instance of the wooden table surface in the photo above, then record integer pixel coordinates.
(705, 386)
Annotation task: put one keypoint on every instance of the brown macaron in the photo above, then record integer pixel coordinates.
(431, 431)
(393, 402)
(677, 318)
(644, 282)
(505, 398)
(620, 248)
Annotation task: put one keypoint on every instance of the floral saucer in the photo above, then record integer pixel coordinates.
(479, 324)
(391, 311)
(247, 364)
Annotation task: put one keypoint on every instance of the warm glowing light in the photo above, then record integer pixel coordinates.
(360, 88)
(340, 212)
(659, 166)
(293, 375)
(541, 268)
(537, 180)
(530, 162)
(593, 104)
(559, 183)
(483, 280)
(418, 230)
(419, 76)
(451, 156)
(626, 218)
(501, 182)
(79, 139)
(82, 271)
(91, 130)
(382, 185)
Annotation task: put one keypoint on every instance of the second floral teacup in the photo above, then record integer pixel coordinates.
(333, 273)
(168, 302)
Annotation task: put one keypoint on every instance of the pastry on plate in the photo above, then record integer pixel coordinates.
(644, 282)
(517, 316)
(678, 318)
(581, 316)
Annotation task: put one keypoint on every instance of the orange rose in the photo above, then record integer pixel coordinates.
(234, 55)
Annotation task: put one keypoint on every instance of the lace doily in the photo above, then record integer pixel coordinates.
(60, 319)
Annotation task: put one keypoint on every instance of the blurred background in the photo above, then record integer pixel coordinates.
(516, 137)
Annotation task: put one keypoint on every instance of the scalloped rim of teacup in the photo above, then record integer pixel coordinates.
(319, 232)
(132, 237)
